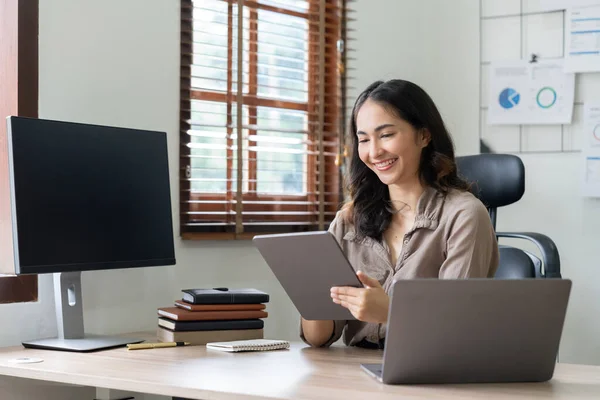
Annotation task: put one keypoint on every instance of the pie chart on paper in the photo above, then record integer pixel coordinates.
(596, 134)
(509, 98)
(546, 97)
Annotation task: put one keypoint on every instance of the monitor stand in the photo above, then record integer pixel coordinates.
(69, 320)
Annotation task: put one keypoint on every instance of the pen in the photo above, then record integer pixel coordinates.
(140, 346)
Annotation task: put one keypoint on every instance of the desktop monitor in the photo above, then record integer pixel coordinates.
(83, 197)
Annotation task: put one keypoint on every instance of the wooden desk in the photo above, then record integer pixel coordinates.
(299, 373)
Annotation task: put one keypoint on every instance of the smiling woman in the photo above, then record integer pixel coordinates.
(409, 214)
(400, 142)
(393, 148)
(19, 96)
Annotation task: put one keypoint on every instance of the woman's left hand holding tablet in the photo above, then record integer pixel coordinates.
(368, 304)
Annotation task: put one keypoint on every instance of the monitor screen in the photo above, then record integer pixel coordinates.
(88, 197)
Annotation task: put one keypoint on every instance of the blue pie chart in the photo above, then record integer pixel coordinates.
(509, 98)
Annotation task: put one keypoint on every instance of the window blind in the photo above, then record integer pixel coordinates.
(262, 84)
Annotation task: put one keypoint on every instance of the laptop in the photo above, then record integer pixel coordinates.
(472, 331)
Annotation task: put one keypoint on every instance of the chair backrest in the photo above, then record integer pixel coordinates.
(497, 179)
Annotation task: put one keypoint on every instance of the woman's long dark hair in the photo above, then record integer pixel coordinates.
(368, 208)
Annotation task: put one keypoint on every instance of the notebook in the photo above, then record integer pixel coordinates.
(210, 325)
(224, 296)
(203, 337)
(180, 314)
(219, 307)
(249, 345)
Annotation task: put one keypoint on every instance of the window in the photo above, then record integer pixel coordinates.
(19, 94)
(261, 156)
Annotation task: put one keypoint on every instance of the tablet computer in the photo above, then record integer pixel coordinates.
(307, 265)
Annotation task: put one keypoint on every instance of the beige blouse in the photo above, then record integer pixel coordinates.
(452, 238)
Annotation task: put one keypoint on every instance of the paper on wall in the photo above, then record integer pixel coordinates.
(591, 150)
(582, 41)
(555, 5)
(530, 93)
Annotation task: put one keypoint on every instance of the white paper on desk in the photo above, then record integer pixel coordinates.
(530, 93)
(249, 345)
(555, 5)
(582, 41)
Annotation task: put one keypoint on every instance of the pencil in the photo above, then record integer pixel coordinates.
(141, 346)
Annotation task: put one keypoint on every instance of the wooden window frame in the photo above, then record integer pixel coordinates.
(333, 118)
(18, 96)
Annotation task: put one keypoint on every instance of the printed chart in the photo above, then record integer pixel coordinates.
(582, 42)
(591, 121)
(591, 149)
(530, 93)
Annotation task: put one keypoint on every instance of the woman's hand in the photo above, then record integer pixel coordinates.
(368, 304)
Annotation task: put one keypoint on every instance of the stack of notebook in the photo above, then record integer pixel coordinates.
(213, 315)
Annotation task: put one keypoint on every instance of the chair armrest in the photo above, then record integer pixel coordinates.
(550, 256)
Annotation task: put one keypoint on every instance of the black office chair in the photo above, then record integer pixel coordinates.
(499, 180)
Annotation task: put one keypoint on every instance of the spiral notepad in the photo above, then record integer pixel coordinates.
(249, 345)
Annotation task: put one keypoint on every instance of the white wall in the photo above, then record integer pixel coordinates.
(421, 41)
